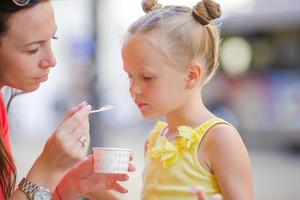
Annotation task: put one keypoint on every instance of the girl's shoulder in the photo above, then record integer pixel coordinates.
(207, 126)
(220, 133)
(222, 140)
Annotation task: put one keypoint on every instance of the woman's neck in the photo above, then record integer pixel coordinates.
(192, 113)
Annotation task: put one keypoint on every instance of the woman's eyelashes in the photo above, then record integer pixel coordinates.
(129, 77)
(54, 37)
(34, 51)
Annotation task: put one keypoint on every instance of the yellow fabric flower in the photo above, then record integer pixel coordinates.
(188, 138)
(164, 151)
(155, 133)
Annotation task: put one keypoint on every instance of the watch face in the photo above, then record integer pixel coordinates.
(42, 194)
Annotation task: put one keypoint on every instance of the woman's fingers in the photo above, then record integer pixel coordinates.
(75, 109)
(117, 187)
(75, 120)
(131, 168)
(131, 157)
(119, 177)
(81, 135)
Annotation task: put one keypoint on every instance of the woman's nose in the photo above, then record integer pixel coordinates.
(49, 60)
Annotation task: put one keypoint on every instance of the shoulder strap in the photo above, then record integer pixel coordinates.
(204, 128)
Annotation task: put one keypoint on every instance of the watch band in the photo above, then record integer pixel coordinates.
(27, 187)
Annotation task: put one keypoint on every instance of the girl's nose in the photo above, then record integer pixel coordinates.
(134, 88)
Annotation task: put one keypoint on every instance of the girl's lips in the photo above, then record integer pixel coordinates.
(140, 105)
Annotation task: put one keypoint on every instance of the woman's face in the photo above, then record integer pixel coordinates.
(25, 50)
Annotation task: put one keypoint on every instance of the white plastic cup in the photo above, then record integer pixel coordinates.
(111, 160)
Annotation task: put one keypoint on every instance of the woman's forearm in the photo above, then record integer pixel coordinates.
(41, 175)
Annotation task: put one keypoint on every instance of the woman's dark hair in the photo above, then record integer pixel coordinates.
(7, 167)
(8, 8)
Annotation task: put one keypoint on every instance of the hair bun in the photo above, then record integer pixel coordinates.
(206, 10)
(149, 5)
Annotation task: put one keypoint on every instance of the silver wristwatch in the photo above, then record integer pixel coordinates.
(34, 191)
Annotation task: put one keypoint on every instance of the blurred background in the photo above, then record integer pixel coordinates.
(257, 87)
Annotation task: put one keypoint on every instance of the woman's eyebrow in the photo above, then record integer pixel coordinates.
(40, 41)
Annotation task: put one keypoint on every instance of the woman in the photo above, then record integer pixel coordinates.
(61, 171)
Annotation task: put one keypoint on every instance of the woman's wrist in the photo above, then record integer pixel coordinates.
(42, 174)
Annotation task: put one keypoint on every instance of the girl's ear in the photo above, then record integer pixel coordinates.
(193, 75)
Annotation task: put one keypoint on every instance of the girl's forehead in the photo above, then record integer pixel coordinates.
(145, 53)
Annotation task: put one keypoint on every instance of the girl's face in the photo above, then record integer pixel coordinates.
(25, 50)
(156, 87)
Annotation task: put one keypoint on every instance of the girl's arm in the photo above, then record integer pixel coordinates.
(227, 157)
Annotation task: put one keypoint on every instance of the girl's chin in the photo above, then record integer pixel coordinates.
(148, 115)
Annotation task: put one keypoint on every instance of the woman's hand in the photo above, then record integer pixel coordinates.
(65, 148)
(198, 190)
(82, 181)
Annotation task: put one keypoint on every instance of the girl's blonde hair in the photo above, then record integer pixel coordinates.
(186, 34)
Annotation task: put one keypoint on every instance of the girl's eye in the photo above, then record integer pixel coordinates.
(129, 77)
(34, 51)
(147, 78)
(54, 37)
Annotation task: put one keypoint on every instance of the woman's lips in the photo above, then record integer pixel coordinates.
(42, 78)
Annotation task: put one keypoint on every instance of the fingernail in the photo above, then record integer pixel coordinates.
(83, 103)
(90, 158)
(88, 107)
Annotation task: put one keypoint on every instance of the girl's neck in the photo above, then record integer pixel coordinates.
(192, 113)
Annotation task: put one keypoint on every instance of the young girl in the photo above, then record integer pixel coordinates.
(169, 55)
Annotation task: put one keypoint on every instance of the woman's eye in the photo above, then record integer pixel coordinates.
(34, 51)
(129, 77)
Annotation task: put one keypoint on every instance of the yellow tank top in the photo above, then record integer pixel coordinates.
(172, 168)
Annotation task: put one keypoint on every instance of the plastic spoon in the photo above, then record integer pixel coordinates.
(103, 108)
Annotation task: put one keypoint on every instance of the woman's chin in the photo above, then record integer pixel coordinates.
(30, 88)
